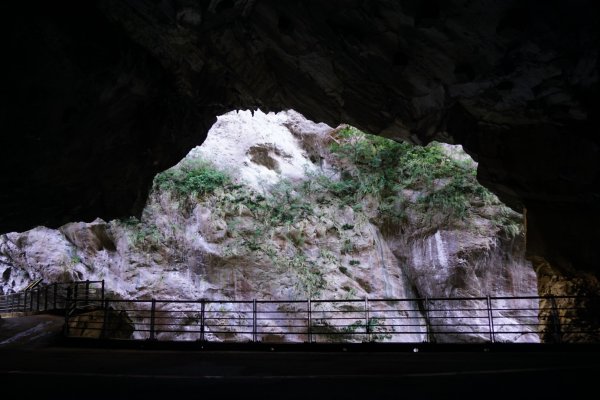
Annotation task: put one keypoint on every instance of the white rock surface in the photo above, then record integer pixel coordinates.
(234, 134)
(190, 248)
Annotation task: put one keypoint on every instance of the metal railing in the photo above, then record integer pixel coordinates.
(441, 320)
(54, 297)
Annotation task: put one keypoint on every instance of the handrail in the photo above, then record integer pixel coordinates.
(430, 319)
(480, 319)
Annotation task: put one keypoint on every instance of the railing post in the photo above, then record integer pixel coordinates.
(555, 321)
(102, 291)
(104, 320)
(426, 312)
(67, 311)
(309, 322)
(254, 327)
(37, 305)
(202, 308)
(55, 295)
(152, 311)
(367, 325)
(87, 292)
(46, 298)
(490, 320)
(75, 294)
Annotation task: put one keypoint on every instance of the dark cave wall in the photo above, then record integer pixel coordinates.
(88, 118)
(97, 104)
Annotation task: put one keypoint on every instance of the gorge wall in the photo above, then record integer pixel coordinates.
(95, 105)
(273, 206)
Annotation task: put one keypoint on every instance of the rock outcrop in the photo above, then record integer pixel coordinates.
(265, 210)
(106, 324)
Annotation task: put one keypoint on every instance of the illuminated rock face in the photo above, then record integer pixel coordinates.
(94, 106)
(230, 245)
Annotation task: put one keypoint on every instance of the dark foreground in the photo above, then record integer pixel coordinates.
(302, 372)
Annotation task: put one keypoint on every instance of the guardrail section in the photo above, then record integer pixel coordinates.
(53, 297)
(440, 320)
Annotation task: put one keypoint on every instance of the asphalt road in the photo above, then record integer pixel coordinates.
(35, 365)
(79, 373)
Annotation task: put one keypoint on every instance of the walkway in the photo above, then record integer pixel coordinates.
(128, 374)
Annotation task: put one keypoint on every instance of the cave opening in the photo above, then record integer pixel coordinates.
(97, 105)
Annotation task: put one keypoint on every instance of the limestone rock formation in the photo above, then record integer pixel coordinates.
(263, 210)
(94, 106)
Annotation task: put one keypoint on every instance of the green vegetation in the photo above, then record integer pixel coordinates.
(374, 330)
(75, 259)
(507, 220)
(382, 168)
(144, 236)
(267, 226)
(196, 177)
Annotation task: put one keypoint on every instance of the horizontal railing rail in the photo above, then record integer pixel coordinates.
(432, 319)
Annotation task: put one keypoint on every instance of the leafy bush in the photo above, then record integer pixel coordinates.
(198, 178)
(508, 221)
(382, 168)
(286, 205)
(143, 236)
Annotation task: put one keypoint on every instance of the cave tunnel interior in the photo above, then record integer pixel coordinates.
(99, 96)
